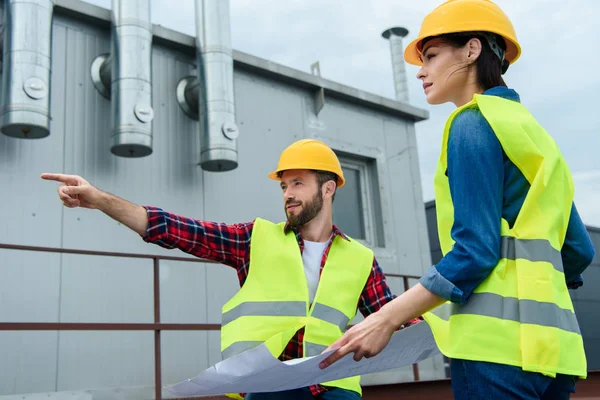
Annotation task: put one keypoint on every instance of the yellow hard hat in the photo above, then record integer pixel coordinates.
(309, 154)
(455, 16)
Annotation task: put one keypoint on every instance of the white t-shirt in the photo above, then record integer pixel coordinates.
(311, 256)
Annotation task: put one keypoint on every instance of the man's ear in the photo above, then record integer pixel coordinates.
(329, 188)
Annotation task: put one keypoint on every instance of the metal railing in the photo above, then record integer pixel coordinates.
(157, 326)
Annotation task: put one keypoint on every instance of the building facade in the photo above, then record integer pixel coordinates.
(381, 205)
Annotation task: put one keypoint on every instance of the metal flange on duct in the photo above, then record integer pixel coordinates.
(209, 97)
(125, 77)
(26, 66)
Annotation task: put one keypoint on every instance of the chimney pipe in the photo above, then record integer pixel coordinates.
(211, 92)
(125, 76)
(395, 35)
(26, 64)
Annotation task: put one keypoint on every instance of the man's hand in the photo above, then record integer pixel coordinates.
(74, 191)
(365, 339)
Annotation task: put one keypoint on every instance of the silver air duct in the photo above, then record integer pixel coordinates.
(125, 76)
(211, 92)
(395, 36)
(26, 64)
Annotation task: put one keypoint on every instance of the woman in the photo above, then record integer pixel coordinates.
(513, 243)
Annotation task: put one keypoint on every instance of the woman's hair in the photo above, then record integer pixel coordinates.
(489, 66)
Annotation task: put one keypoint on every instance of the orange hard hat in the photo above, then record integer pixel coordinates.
(454, 16)
(309, 154)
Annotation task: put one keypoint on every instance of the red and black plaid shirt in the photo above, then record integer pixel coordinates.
(229, 244)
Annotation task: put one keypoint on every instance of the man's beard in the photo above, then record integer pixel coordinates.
(309, 210)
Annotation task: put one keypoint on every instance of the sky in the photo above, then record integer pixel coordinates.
(557, 75)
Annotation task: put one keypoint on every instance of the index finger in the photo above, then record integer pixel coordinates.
(58, 177)
(340, 353)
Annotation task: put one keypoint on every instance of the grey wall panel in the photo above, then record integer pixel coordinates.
(90, 359)
(29, 286)
(27, 362)
(350, 125)
(214, 347)
(30, 213)
(169, 177)
(420, 227)
(106, 289)
(408, 241)
(183, 297)
(184, 355)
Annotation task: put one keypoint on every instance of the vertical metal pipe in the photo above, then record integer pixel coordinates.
(157, 341)
(395, 35)
(130, 69)
(218, 129)
(415, 367)
(27, 57)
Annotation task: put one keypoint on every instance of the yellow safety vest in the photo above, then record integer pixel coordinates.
(521, 314)
(273, 303)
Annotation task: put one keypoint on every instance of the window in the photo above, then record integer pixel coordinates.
(356, 208)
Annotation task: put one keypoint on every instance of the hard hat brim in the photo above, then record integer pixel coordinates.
(412, 53)
(275, 175)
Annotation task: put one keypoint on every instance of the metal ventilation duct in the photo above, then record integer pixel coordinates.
(395, 36)
(218, 130)
(125, 76)
(26, 64)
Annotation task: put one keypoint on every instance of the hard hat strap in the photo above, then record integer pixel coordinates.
(493, 42)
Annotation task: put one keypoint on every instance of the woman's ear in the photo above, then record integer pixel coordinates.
(473, 48)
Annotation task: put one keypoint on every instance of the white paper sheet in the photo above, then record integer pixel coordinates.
(256, 370)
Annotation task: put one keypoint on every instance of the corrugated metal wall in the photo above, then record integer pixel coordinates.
(40, 287)
(586, 299)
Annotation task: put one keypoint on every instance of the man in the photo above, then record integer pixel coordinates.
(301, 281)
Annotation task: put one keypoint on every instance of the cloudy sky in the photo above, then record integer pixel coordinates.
(557, 75)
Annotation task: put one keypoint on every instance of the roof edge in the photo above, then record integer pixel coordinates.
(99, 16)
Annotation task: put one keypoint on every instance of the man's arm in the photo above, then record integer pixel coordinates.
(227, 244)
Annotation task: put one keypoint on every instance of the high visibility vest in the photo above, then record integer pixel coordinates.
(521, 314)
(273, 303)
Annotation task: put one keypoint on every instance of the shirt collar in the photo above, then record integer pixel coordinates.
(336, 231)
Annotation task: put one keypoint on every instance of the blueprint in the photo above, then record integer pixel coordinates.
(256, 370)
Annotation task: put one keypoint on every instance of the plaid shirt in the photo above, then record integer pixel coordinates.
(229, 244)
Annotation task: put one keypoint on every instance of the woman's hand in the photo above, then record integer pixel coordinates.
(365, 339)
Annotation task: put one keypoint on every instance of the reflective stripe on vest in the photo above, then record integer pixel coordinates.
(313, 349)
(265, 308)
(523, 311)
(532, 250)
(331, 315)
(239, 347)
(285, 309)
